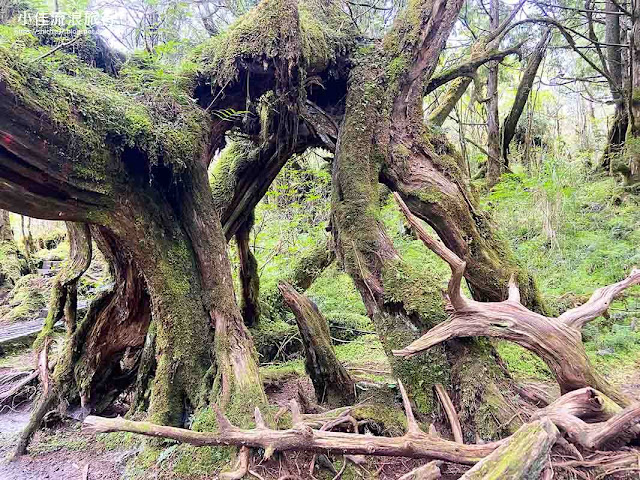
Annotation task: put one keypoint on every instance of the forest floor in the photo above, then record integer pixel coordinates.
(573, 231)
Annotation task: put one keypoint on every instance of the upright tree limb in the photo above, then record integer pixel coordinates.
(331, 381)
(522, 94)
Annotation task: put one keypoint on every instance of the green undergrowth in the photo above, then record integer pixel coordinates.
(68, 440)
(575, 231)
(25, 301)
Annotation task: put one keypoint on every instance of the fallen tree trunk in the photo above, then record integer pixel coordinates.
(524, 456)
(331, 381)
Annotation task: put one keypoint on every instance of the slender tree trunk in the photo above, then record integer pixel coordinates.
(249, 278)
(630, 167)
(618, 129)
(331, 381)
(494, 164)
(522, 94)
(6, 234)
(449, 99)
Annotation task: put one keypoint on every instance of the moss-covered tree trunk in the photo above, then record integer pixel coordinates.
(331, 381)
(522, 94)
(382, 139)
(6, 234)
(249, 277)
(620, 124)
(494, 162)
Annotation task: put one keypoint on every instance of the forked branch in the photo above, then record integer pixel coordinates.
(458, 301)
(557, 341)
(599, 302)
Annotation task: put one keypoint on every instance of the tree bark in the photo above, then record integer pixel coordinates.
(403, 300)
(494, 163)
(618, 129)
(522, 94)
(629, 166)
(6, 234)
(249, 278)
(331, 381)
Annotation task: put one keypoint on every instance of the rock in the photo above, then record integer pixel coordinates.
(605, 351)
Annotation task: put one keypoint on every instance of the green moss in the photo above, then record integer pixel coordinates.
(397, 67)
(118, 440)
(391, 418)
(145, 110)
(522, 363)
(12, 264)
(25, 301)
(238, 156)
(308, 33)
(54, 442)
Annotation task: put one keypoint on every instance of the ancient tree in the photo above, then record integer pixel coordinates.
(129, 156)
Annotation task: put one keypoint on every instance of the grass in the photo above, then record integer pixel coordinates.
(575, 232)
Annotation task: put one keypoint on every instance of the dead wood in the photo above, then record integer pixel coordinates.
(450, 410)
(331, 381)
(415, 443)
(558, 341)
(524, 456)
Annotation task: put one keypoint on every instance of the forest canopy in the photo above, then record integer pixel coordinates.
(320, 238)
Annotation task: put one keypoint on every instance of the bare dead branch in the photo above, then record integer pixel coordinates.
(599, 302)
(458, 301)
(450, 410)
(514, 290)
(430, 471)
(414, 443)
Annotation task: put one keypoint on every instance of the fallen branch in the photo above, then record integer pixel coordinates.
(430, 471)
(558, 341)
(13, 391)
(414, 444)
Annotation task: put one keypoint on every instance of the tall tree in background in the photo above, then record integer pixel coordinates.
(494, 163)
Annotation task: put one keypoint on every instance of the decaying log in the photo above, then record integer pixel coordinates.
(430, 471)
(558, 341)
(414, 444)
(585, 403)
(331, 381)
(524, 456)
